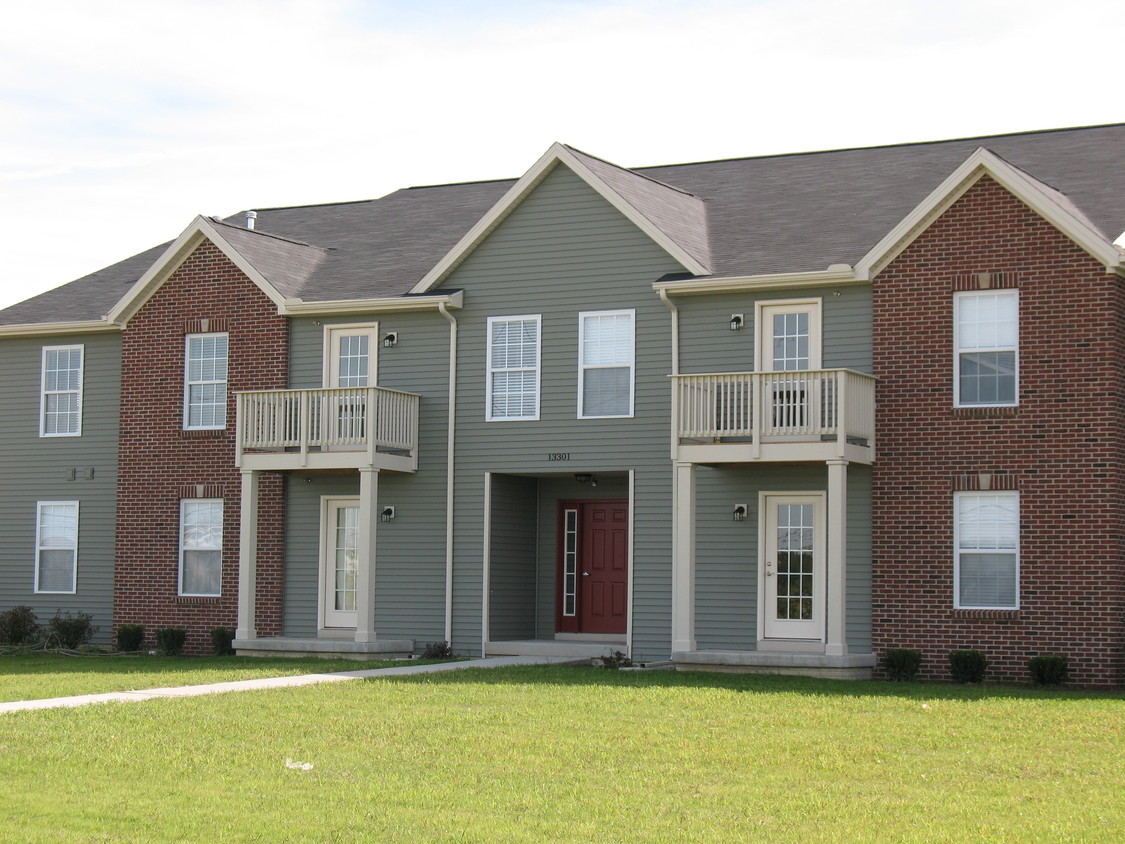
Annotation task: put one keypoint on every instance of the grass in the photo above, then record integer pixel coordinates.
(33, 676)
(573, 754)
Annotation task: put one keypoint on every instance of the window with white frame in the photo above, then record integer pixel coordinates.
(986, 348)
(605, 364)
(986, 550)
(61, 397)
(205, 381)
(513, 368)
(201, 546)
(56, 546)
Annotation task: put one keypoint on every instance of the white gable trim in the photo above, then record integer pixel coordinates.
(557, 154)
(298, 307)
(201, 229)
(1026, 189)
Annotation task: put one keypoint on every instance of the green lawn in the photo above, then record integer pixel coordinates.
(573, 754)
(31, 676)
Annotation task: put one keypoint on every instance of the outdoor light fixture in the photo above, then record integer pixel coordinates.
(390, 339)
(736, 322)
(388, 514)
(586, 478)
(740, 512)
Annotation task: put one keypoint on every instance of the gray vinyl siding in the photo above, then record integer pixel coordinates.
(563, 251)
(36, 469)
(512, 546)
(726, 600)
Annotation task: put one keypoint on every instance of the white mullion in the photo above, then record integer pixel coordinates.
(42, 544)
(46, 393)
(534, 369)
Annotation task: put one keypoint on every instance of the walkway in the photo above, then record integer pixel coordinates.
(276, 682)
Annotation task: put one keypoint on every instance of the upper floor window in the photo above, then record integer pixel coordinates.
(61, 397)
(205, 381)
(201, 546)
(986, 550)
(56, 546)
(605, 364)
(513, 368)
(986, 348)
(349, 355)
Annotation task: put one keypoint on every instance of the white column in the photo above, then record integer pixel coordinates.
(365, 550)
(683, 557)
(836, 644)
(247, 556)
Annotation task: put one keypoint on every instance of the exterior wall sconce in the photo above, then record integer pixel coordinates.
(737, 321)
(740, 512)
(586, 478)
(387, 514)
(390, 339)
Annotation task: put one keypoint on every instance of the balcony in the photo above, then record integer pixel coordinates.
(736, 417)
(341, 428)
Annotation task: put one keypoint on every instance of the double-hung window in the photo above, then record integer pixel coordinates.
(513, 368)
(60, 403)
(56, 546)
(986, 550)
(201, 546)
(205, 382)
(986, 341)
(605, 364)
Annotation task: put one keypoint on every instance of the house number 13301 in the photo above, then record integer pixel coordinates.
(555, 456)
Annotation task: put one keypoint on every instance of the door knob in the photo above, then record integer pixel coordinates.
(585, 574)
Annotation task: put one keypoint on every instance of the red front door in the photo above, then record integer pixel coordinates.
(593, 566)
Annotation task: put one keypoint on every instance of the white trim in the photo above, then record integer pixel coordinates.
(222, 528)
(43, 389)
(349, 307)
(957, 352)
(187, 426)
(629, 551)
(1013, 494)
(488, 415)
(820, 565)
(39, 547)
(814, 307)
(486, 566)
(331, 357)
(327, 532)
(837, 275)
(46, 329)
(582, 367)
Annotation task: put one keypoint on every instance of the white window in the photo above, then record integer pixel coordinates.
(201, 546)
(605, 364)
(986, 550)
(986, 348)
(61, 398)
(56, 546)
(205, 381)
(513, 368)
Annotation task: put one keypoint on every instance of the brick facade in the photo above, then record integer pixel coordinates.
(1062, 447)
(160, 463)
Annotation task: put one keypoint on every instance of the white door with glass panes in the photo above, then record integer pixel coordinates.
(349, 358)
(339, 562)
(789, 341)
(793, 566)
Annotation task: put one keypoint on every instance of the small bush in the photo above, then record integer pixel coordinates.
(1049, 669)
(71, 631)
(967, 666)
(19, 626)
(438, 650)
(130, 637)
(901, 664)
(221, 638)
(616, 660)
(170, 640)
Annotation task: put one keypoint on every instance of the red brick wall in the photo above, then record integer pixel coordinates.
(160, 462)
(1062, 447)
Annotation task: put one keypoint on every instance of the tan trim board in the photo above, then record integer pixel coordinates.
(836, 275)
(52, 328)
(347, 307)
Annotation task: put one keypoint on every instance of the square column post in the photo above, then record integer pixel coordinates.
(365, 551)
(683, 557)
(836, 643)
(247, 556)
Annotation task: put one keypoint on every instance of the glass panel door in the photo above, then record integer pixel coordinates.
(340, 563)
(794, 568)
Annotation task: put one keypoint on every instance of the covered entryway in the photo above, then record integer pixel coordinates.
(593, 567)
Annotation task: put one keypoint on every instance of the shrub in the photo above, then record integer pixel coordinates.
(967, 666)
(901, 664)
(438, 650)
(130, 637)
(1049, 669)
(221, 638)
(72, 631)
(616, 660)
(19, 626)
(170, 640)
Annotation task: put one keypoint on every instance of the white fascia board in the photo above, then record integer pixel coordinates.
(557, 154)
(44, 329)
(836, 275)
(342, 307)
(200, 229)
(980, 163)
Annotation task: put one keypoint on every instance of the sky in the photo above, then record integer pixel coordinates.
(121, 120)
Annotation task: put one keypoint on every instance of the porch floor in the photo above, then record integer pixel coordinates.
(325, 648)
(858, 666)
(555, 648)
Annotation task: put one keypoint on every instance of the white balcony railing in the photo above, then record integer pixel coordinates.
(370, 419)
(821, 404)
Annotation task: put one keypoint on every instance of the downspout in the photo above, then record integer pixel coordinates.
(449, 486)
(675, 329)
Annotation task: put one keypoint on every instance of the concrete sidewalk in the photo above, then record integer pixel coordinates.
(277, 682)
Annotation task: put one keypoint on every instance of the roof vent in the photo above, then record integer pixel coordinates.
(251, 216)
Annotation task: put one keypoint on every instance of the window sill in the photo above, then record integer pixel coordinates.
(985, 412)
(203, 433)
(967, 613)
(197, 599)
